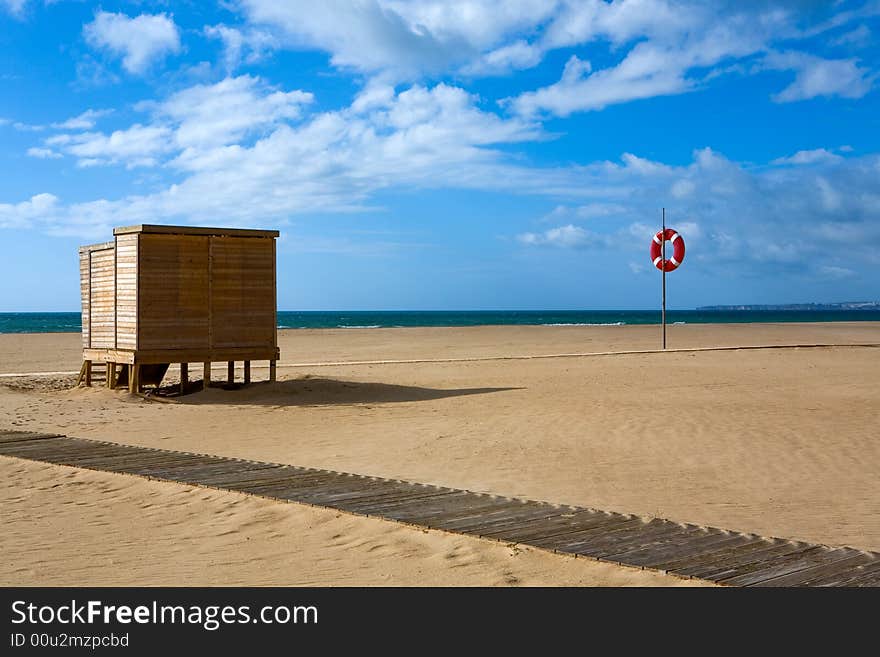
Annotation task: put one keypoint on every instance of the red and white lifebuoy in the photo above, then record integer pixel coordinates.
(671, 263)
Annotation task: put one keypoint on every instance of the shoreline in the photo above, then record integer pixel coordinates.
(858, 322)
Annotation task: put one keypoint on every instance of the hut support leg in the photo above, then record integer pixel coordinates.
(272, 370)
(206, 378)
(85, 373)
(247, 371)
(184, 377)
(230, 371)
(111, 375)
(134, 372)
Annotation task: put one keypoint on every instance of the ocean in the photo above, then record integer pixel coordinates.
(293, 319)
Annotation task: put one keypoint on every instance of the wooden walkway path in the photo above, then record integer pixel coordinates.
(686, 550)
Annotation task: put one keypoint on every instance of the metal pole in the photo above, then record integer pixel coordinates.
(663, 270)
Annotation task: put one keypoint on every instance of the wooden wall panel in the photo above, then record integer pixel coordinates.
(84, 293)
(242, 292)
(126, 291)
(102, 282)
(173, 292)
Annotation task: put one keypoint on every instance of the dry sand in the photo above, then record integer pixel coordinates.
(65, 526)
(777, 442)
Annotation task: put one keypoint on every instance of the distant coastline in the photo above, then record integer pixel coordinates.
(844, 305)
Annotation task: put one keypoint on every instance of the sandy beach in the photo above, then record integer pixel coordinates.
(779, 442)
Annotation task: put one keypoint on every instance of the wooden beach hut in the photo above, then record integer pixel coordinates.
(157, 295)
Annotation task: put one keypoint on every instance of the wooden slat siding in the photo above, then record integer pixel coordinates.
(126, 291)
(102, 285)
(85, 293)
(709, 553)
(242, 292)
(173, 292)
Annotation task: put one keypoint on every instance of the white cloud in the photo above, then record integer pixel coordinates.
(569, 236)
(662, 46)
(141, 41)
(330, 161)
(246, 46)
(836, 273)
(138, 145)
(769, 219)
(400, 38)
(84, 121)
(188, 125)
(815, 156)
(815, 76)
(43, 153)
(222, 113)
(14, 7)
(860, 36)
(38, 209)
(513, 57)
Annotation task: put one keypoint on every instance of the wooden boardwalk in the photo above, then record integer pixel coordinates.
(685, 550)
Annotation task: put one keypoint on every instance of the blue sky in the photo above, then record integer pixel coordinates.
(451, 155)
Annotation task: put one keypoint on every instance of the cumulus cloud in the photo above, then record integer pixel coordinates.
(860, 36)
(778, 219)
(43, 153)
(141, 41)
(815, 76)
(242, 46)
(569, 236)
(403, 39)
(14, 7)
(188, 124)
(326, 161)
(84, 121)
(809, 157)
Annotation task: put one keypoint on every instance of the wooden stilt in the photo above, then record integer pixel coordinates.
(111, 375)
(88, 377)
(134, 375)
(184, 377)
(230, 374)
(82, 374)
(272, 372)
(206, 377)
(247, 371)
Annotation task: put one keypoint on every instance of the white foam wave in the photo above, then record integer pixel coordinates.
(587, 324)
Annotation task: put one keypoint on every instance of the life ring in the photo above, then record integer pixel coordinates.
(671, 264)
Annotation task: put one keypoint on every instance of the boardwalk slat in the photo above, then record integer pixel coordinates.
(733, 558)
(805, 576)
(702, 541)
(563, 524)
(844, 578)
(780, 565)
(23, 436)
(686, 550)
(602, 528)
(498, 520)
(742, 564)
(598, 542)
(713, 552)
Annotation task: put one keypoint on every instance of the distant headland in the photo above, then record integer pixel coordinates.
(845, 305)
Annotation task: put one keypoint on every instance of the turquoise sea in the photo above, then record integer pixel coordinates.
(70, 322)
